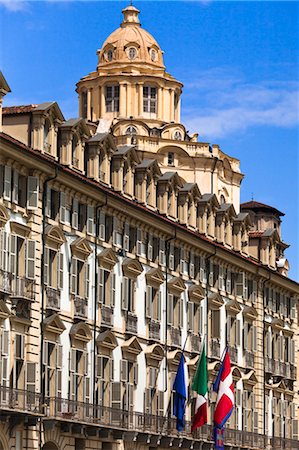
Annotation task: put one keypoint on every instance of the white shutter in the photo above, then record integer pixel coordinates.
(62, 211)
(126, 243)
(13, 254)
(171, 257)
(87, 278)
(182, 260)
(139, 243)
(170, 307)
(72, 360)
(148, 302)
(113, 289)
(124, 373)
(191, 266)
(159, 306)
(162, 252)
(101, 281)
(48, 201)
(59, 356)
(86, 389)
(135, 373)
(7, 183)
(124, 294)
(191, 316)
(202, 269)
(74, 274)
(221, 279)
(46, 265)
(102, 226)
(90, 220)
(58, 383)
(45, 353)
(4, 250)
(15, 187)
(229, 281)
(293, 309)
(254, 292)
(181, 312)
(30, 259)
(32, 193)
(245, 287)
(75, 214)
(60, 271)
(211, 274)
(150, 247)
(292, 351)
(239, 284)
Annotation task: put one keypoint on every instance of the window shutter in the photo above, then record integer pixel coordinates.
(200, 318)
(113, 289)
(99, 367)
(292, 351)
(90, 220)
(15, 187)
(181, 312)
(101, 281)
(30, 377)
(139, 243)
(124, 371)
(7, 183)
(171, 257)
(86, 389)
(182, 260)
(211, 274)
(238, 397)
(148, 302)
(255, 421)
(135, 373)
(147, 401)
(60, 271)
(238, 332)
(191, 316)
(45, 353)
(160, 403)
(228, 329)
(221, 278)
(191, 266)
(170, 306)
(13, 254)
(111, 369)
(254, 292)
(202, 270)
(152, 375)
(229, 282)
(293, 309)
(4, 250)
(162, 252)
(102, 226)
(73, 360)
(150, 247)
(59, 356)
(73, 281)
(239, 284)
(116, 396)
(254, 338)
(215, 323)
(124, 294)
(62, 211)
(75, 214)
(46, 265)
(32, 193)
(87, 278)
(30, 259)
(159, 306)
(245, 287)
(126, 242)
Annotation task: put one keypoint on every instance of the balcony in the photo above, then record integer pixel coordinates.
(174, 335)
(52, 299)
(249, 359)
(233, 353)
(131, 323)
(106, 316)
(214, 348)
(5, 282)
(154, 330)
(22, 288)
(195, 342)
(80, 308)
(18, 400)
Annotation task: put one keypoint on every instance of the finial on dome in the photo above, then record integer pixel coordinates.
(130, 15)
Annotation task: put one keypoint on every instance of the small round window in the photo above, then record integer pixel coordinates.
(153, 54)
(178, 136)
(109, 55)
(132, 53)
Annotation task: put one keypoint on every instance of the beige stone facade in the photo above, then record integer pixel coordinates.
(122, 240)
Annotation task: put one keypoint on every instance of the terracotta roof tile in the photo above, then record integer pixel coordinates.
(22, 109)
(262, 206)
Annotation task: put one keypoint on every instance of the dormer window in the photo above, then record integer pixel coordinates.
(153, 54)
(178, 136)
(149, 99)
(132, 53)
(112, 98)
(110, 55)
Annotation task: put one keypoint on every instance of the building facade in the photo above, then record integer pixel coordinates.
(123, 241)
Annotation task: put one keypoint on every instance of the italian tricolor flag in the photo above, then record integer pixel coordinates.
(200, 385)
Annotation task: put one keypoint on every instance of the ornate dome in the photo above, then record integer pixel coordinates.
(130, 44)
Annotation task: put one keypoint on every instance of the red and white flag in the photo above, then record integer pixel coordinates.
(224, 387)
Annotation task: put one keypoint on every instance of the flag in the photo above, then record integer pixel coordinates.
(224, 387)
(180, 396)
(219, 438)
(200, 385)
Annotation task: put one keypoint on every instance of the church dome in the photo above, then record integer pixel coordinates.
(130, 44)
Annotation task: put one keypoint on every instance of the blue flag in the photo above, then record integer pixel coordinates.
(180, 396)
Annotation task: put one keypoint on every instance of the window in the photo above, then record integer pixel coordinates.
(153, 303)
(84, 104)
(47, 145)
(104, 374)
(52, 369)
(153, 54)
(53, 268)
(149, 99)
(79, 382)
(128, 288)
(175, 311)
(112, 98)
(195, 317)
(131, 130)
(106, 287)
(170, 159)
(109, 55)
(177, 136)
(132, 53)
(79, 282)
(75, 148)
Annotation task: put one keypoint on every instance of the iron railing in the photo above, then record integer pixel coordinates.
(52, 299)
(131, 323)
(106, 316)
(80, 307)
(22, 288)
(154, 330)
(20, 400)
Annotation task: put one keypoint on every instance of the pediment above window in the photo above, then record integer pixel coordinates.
(4, 215)
(176, 286)
(215, 300)
(237, 374)
(54, 236)
(250, 312)
(278, 324)
(233, 307)
(280, 386)
(154, 355)
(132, 268)
(81, 248)
(249, 379)
(192, 364)
(154, 277)
(20, 229)
(107, 340)
(4, 311)
(81, 332)
(107, 258)
(53, 324)
(173, 359)
(131, 348)
(213, 367)
(196, 293)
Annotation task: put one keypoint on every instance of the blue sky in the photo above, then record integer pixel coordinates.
(238, 62)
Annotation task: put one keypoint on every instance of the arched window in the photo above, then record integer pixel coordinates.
(178, 135)
(132, 53)
(110, 55)
(222, 199)
(131, 130)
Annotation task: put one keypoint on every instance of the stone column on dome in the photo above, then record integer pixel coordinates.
(140, 100)
(103, 101)
(96, 102)
(129, 101)
(160, 102)
(178, 111)
(171, 105)
(122, 99)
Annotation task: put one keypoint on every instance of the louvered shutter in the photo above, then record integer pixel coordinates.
(124, 294)
(245, 335)
(221, 278)
(170, 306)
(90, 220)
(73, 276)
(238, 332)
(13, 254)
(239, 287)
(124, 375)
(159, 306)
(32, 193)
(15, 187)
(102, 226)
(58, 384)
(87, 279)
(59, 356)
(62, 209)
(254, 292)
(245, 287)
(191, 266)
(216, 323)
(293, 309)
(162, 252)
(228, 329)
(211, 274)
(101, 281)
(46, 265)
(150, 247)
(73, 354)
(147, 401)
(48, 201)
(7, 183)
(202, 270)
(181, 312)
(4, 250)
(139, 243)
(254, 339)
(148, 302)
(60, 271)
(113, 289)
(45, 353)
(30, 259)
(30, 379)
(292, 351)
(135, 373)
(75, 214)
(228, 281)
(191, 316)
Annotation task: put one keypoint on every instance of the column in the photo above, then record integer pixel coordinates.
(122, 99)
(103, 102)
(160, 103)
(140, 100)
(88, 104)
(171, 105)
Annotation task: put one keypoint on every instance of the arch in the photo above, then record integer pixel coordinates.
(107, 339)
(154, 354)
(50, 446)
(81, 331)
(4, 444)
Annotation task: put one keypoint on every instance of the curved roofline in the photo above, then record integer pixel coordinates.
(257, 206)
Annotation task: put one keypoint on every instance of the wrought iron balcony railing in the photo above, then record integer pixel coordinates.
(131, 323)
(5, 282)
(106, 316)
(20, 401)
(22, 288)
(52, 299)
(80, 307)
(154, 330)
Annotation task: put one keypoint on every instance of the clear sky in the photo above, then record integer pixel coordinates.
(238, 62)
